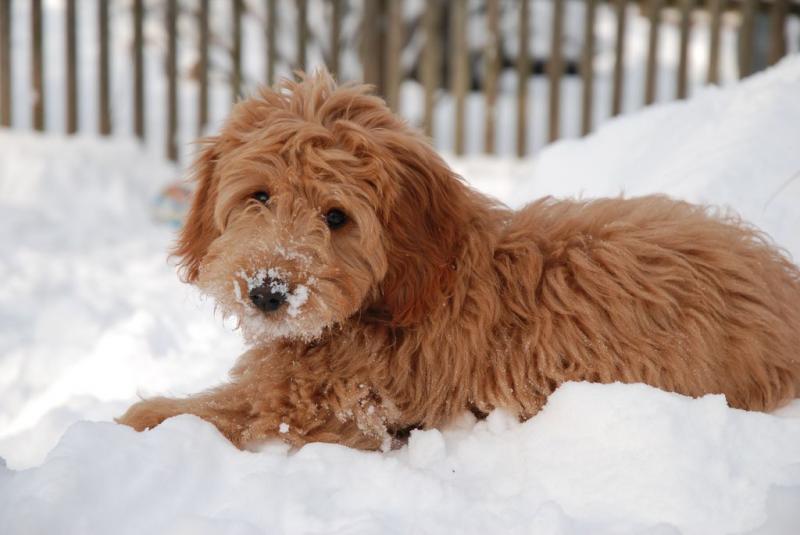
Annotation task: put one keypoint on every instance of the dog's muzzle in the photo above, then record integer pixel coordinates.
(266, 298)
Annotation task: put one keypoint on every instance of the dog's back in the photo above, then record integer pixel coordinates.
(658, 291)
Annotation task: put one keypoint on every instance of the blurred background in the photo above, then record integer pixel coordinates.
(480, 76)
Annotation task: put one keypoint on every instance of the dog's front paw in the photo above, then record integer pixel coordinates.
(148, 413)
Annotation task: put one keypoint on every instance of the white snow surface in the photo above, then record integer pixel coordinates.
(91, 314)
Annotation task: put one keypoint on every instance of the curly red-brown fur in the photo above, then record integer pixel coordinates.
(434, 299)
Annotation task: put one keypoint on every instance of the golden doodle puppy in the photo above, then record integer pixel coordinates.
(379, 293)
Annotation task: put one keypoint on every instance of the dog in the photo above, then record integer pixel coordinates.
(379, 293)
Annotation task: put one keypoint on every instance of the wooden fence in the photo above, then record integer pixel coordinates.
(445, 65)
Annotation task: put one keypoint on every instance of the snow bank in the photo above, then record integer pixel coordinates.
(91, 313)
(598, 459)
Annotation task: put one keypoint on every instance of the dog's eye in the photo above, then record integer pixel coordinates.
(335, 219)
(260, 196)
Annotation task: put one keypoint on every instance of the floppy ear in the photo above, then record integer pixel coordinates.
(199, 230)
(425, 229)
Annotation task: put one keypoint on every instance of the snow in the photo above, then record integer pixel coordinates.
(598, 459)
(296, 299)
(90, 310)
(91, 314)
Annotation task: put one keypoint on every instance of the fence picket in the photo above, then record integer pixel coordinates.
(492, 61)
(270, 38)
(777, 30)
(302, 32)
(430, 62)
(619, 57)
(202, 67)
(5, 64)
(587, 68)
(371, 59)
(104, 76)
(460, 76)
(651, 74)
(37, 65)
(237, 7)
(71, 68)
(686, 7)
(172, 80)
(746, 35)
(715, 7)
(138, 69)
(555, 68)
(394, 47)
(523, 73)
(336, 36)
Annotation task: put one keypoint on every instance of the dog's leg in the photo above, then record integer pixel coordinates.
(357, 422)
(248, 422)
(218, 406)
(268, 400)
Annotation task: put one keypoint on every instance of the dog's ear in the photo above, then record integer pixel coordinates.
(425, 228)
(199, 230)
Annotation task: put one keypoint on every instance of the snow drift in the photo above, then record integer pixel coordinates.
(598, 459)
(90, 313)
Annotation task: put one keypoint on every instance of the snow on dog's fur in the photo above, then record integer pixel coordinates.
(401, 297)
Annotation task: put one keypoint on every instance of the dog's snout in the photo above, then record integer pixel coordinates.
(266, 298)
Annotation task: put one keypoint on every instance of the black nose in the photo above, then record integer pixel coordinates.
(265, 298)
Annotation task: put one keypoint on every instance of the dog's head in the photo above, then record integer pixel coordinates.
(315, 203)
